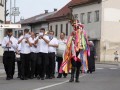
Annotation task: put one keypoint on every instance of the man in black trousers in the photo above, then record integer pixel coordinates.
(42, 42)
(9, 44)
(53, 44)
(25, 55)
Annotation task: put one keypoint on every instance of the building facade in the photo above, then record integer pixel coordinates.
(59, 22)
(2, 9)
(101, 19)
(35, 23)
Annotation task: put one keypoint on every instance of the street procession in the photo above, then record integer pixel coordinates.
(39, 52)
(59, 44)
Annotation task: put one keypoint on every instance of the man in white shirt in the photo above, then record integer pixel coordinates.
(59, 59)
(53, 44)
(9, 44)
(33, 54)
(25, 55)
(42, 46)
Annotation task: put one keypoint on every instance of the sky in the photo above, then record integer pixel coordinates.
(29, 8)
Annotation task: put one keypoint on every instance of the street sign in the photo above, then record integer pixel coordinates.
(15, 11)
(10, 25)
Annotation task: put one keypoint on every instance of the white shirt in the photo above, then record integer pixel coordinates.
(25, 48)
(54, 41)
(13, 46)
(42, 46)
(60, 41)
(32, 49)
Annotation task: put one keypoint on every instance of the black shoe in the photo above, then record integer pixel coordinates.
(90, 72)
(77, 80)
(11, 77)
(59, 76)
(31, 77)
(25, 78)
(87, 71)
(50, 77)
(71, 80)
(8, 78)
(42, 78)
(38, 77)
(64, 76)
(53, 76)
(22, 78)
(47, 77)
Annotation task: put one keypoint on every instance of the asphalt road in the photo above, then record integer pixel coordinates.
(106, 77)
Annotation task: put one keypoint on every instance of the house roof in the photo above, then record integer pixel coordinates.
(82, 2)
(38, 18)
(63, 12)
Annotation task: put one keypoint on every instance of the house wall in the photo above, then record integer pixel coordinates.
(36, 28)
(64, 22)
(93, 29)
(110, 33)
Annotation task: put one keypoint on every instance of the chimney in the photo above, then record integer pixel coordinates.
(21, 19)
(46, 11)
(55, 9)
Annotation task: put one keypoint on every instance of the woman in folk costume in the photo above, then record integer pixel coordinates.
(75, 60)
(71, 56)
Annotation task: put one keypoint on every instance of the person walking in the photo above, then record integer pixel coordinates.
(25, 55)
(59, 59)
(9, 44)
(53, 44)
(42, 42)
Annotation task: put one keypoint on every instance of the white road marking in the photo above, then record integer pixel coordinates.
(99, 68)
(113, 68)
(53, 85)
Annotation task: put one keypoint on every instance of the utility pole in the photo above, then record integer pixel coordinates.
(10, 11)
(5, 12)
(14, 7)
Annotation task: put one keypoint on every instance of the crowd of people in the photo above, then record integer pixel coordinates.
(37, 53)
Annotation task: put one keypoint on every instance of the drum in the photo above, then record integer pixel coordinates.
(61, 49)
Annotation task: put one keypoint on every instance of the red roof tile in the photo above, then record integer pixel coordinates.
(80, 2)
(62, 12)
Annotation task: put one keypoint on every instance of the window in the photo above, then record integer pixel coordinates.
(89, 17)
(51, 27)
(56, 30)
(82, 18)
(96, 15)
(61, 27)
(76, 16)
(15, 34)
(66, 29)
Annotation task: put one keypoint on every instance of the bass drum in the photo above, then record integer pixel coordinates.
(61, 49)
